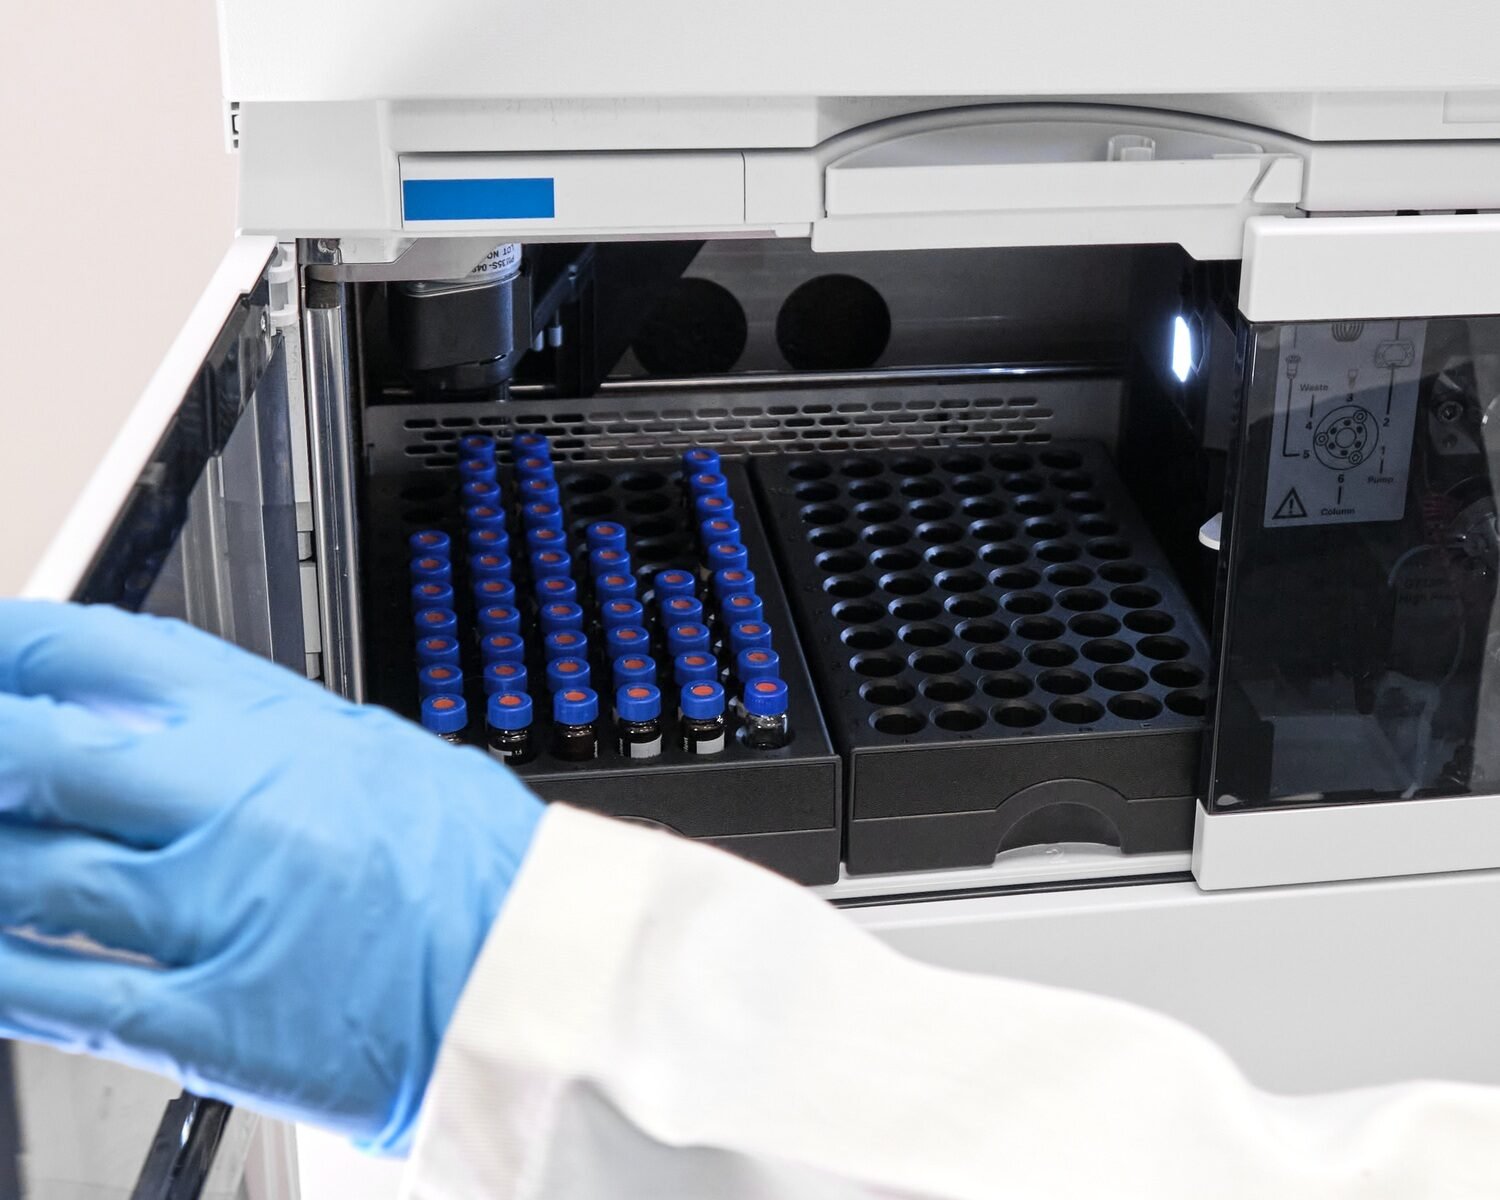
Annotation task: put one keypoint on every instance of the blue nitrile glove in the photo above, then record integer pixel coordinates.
(316, 878)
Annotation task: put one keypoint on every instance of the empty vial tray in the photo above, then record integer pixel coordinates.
(780, 808)
(1003, 655)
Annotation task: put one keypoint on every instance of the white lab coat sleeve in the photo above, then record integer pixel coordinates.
(654, 1020)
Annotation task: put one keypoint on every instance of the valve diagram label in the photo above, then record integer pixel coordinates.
(1345, 414)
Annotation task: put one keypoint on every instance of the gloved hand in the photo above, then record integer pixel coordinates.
(315, 878)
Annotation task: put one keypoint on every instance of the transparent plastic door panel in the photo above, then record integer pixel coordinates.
(1361, 650)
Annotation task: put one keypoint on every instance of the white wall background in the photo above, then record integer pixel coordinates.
(116, 203)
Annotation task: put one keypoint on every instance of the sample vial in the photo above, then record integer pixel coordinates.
(498, 618)
(765, 714)
(494, 591)
(729, 580)
(718, 529)
(536, 445)
(706, 508)
(686, 637)
(621, 612)
(616, 585)
(541, 514)
(550, 562)
(564, 643)
(682, 609)
(707, 483)
(502, 647)
(703, 725)
(475, 445)
(434, 568)
(626, 639)
(750, 665)
(436, 621)
(446, 715)
(575, 724)
(480, 491)
(538, 489)
(567, 672)
(748, 635)
(544, 537)
(508, 728)
(430, 541)
(477, 468)
(504, 676)
(638, 728)
(606, 535)
(556, 587)
(559, 614)
(694, 667)
(486, 539)
(726, 556)
(700, 460)
(431, 594)
(634, 668)
(671, 583)
(608, 561)
(437, 649)
(440, 678)
(534, 466)
(742, 606)
(489, 565)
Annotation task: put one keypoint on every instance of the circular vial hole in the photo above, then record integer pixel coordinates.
(1003, 554)
(963, 464)
(1081, 599)
(839, 562)
(1022, 483)
(1007, 685)
(655, 527)
(982, 507)
(1039, 629)
(1107, 650)
(921, 489)
(992, 531)
(1043, 529)
(867, 637)
(642, 481)
(949, 556)
(1120, 679)
(960, 581)
(1077, 710)
(877, 512)
(869, 490)
(860, 468)
(981, 632)
(936, 662)
(929, 510)
(947, 689)
(1051, 654)
(1190, 703)
(877, 666)
(816, 493)
(1057, 552)
(1134, 706)
(973, 485)
(1149, 620)
(1069, 575)
(993, 658)
(1098, 526)
(833, 537)
(885, 535)
(587, 484)
(848, 587)
(1034, 506)
(1073, 481)
(1014, 578)
(1162, 647)
(1019, 714)
(1063, 681)
(887, 692)
(809, 468)
(958, 718)
(591, 506)
(1083, 502)
(970, 605)
(1027, 603)
(905, 583)
(1110, 549)
(1011, 462)
(1061, 460)
(894, 560)
(912, 464)
(926, 634)
(1177, 675)
(1122, 572)
(914, 610)
(662, 549)
(939, 532)
(1094, 625)
(898, 722)
(1135, 595)
(824, 514)
(647, 505)
(857, 612)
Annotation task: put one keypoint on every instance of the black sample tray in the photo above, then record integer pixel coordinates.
(1002, 652)
(780, 808)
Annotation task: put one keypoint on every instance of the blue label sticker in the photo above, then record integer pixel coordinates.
(477, 199)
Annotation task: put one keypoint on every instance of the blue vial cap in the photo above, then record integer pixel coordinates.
(729, 580)
(707, 483)
(638, 702)
(743, 606)
(482, 467)
(568, 671)
(749, 635)
(700, 460)
(555, 587)
(431, 566)
(757, 664)
(616, 585)
(538, 489)
(672, 582)
(503, 675)
(606, 535)
(765, 697)
(621, 612)
(609, 561)
(534, 466)
(481, 491)
(693, 666)
(565, 643)
(706, 508)
(550, 562)
(675, 609)
(559, 614)
(703, 700)
(727, 556)
(634, 668)
(439, 648)
(494, 591)
(545, 537)
(436, 678)
(474, 445)
(542, 514)
(492, 564)
(444, 713)
(502, 647)
(626, 639)
(498, 618)
(431, 621)
(685, 637)
(430, 541)
(718, 529)
(483, 538)
(431, 594)
(508, 710)
(575, 706)
(535, 444)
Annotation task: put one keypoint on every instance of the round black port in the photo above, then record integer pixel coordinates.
(642, 481)
(1162, 647)
(839, 562)
(816, 493)
(1134, 706)
(914, 610)
(1034, 506)
(960, 581)
(592, 507)
(662, 549)
(1051, 654)
(1083, 502)
(947, 689)
(869, 490)
(877, 666)
(1097, 526)
(885, 535)
(1122, 572)
(973, 485)
(1081, 599)
(894, 560)
(963, 464)
(992, 531)
(867, 637)
(981, 632)
(929, 510)
(655, 527)
(1007, 685)
(1057, 551)
(1135, 595)
(1014, 578)
(1107, 650)
(832, 537)
(824, 514)
(648, 505)
(1110, 549)
(887, 692)
(1149, 620)
(1061, 460)
(905, 583)
(1073, 481)
(876, 512)
(1003, 554)
(921, 488)
(1120, 679)
(939, 532)
(993, 658)
(586, 485)
(1069, 575)
(1027, 603)
(948, 557)
(1019, 714)
(1039, 528)
(1063, 681)
(926, 634)
(1011, 462)
(860, 468)
(1094, 625)
(1023, 482)
(1038, 629)
(912, 464)
(898, 722)
(982, 507)
(936, 662)
(847, 587)
(857, 612)
(970, 605)
(833, 323)
(696, 328)
(809, 468)
(1192, 703)
(958, 718)
(1177, 675)
(1077, 710)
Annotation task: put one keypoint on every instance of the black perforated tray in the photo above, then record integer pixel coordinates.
(1002, 653)
(780, 808)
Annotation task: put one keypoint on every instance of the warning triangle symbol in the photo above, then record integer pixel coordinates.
(1290, 508)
